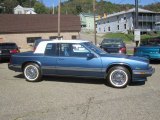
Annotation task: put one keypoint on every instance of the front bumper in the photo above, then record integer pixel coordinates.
(143, 73)
(15, 68)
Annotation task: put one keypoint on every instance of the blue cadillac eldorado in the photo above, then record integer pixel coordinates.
(80, 58)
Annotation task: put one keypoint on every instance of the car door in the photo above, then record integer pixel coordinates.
(73, 61)
(50, 59)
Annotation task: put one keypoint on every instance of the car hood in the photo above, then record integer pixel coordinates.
(131, 57)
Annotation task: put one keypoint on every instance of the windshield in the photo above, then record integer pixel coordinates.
(94, 48)
(111, 41)
(8, 46)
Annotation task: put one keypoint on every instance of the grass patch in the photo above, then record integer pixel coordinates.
(130, 37)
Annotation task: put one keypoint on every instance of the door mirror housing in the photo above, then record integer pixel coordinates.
(90, 55)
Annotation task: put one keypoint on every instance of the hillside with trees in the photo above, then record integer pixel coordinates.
(72, 6)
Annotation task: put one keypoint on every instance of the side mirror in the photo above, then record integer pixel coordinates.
(90, 55)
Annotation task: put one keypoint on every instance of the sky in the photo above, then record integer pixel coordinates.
(50, 3)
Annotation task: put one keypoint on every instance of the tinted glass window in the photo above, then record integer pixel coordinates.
(51, 49)
(151, 42)
(73, 50)
(112, 41)
(8, 46)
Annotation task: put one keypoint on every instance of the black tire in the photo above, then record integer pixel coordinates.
(118, 77)
(32, 72)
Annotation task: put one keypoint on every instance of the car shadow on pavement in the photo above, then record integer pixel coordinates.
(74, 80)
(78, 80)
(68, 79)
(155, 62)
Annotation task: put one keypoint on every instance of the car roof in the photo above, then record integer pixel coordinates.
(65, 41)
(118, 39)
(42, 45)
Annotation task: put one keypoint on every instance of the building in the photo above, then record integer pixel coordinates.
(125, 21)
(25, 29)
(87, 21)
(23, 10)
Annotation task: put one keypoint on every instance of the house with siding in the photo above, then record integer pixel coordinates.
(25, 29)
(87, 21)
(23, 10)
(124, 21)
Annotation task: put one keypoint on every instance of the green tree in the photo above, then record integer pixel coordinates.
(9, 5)
(41, 9)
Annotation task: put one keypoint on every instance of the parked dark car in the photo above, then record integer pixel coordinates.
(149, 48)
(6, 49)
(113, 46)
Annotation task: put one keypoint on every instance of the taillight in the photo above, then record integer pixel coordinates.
(122, 50)
(14, 51)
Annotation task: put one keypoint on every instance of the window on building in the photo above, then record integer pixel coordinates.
(53, 37)
(74, 37)
(32, 39)
(118, 27)
(124, 18)
(109, 29)
(125, 26)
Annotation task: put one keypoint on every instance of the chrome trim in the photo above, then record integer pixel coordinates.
(73, 68)
(150, 71)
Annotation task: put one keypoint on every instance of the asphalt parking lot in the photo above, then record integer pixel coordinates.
(58, 98)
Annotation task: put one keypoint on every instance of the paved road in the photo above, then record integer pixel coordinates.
(76, 99)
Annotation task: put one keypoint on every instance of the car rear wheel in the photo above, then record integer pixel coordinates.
(118, 77)
(32, 72)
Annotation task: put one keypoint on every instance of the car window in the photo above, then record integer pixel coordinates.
(8, 46)
(112, 41)
(94, 48)
(51, 49)
(151, 42)
(73, 50)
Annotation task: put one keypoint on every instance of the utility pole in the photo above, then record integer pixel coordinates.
(136, 14)
(59, 19)
(94, 10)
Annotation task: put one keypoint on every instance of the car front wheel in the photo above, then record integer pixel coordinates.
(119, 77)
(32, 72)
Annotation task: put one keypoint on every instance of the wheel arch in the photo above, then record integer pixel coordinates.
(27, 62)
(119, 64)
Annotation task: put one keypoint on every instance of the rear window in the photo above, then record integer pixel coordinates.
(151, 42)
(8, 46)
(112, 41)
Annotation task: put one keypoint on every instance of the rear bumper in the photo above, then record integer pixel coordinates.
(142, 74)
(15, 68)
(4, 57)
